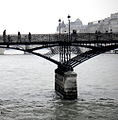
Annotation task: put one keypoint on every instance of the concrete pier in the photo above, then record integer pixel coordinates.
(2, 51)
(66, 84)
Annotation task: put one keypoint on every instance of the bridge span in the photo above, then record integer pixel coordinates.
(65, 77)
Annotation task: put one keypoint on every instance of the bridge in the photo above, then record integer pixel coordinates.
(65, 77)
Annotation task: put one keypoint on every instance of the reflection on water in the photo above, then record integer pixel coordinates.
(27, 90)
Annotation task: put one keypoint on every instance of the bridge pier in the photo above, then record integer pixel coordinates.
(66, 84)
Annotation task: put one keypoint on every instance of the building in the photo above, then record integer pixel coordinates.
(114, 22)
(106, 25)
(76, 25)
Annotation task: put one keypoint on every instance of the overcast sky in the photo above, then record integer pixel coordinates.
(41, 16)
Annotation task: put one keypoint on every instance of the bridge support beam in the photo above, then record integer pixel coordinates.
(65, 84)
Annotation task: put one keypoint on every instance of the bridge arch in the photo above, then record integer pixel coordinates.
(73, 62)
(34, 53)
(82, 57)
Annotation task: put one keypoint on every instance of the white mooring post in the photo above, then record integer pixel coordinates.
(2, 51)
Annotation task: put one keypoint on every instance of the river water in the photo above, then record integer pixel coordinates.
(27, 89)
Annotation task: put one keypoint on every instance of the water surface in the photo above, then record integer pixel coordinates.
(27, 89)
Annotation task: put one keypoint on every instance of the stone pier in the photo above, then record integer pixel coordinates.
(2, 51)
(66, 84)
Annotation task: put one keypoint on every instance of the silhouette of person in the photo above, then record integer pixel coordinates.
(19, 37)
(29, 37)
(96, 32)
(4, 36)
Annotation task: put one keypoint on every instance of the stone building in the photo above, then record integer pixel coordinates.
(76, 25)
(106, 25)
(114, 22)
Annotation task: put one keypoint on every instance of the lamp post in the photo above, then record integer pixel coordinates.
(59, 26)
(60, 51)
(68, 47)
(69, 25)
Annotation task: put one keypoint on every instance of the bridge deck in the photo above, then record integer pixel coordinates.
(98, 43)
(38, 38)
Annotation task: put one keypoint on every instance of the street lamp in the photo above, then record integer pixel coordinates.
(69, 25)
(60, 51)
(68, 47)
(59, 26)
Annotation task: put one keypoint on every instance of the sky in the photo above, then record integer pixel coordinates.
(41, 16)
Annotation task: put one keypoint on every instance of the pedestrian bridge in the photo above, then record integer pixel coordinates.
(65, 77)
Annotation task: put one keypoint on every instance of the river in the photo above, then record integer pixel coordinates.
(27, 89)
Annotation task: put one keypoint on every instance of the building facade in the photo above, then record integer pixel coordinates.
(76, 25)
(109, 24)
